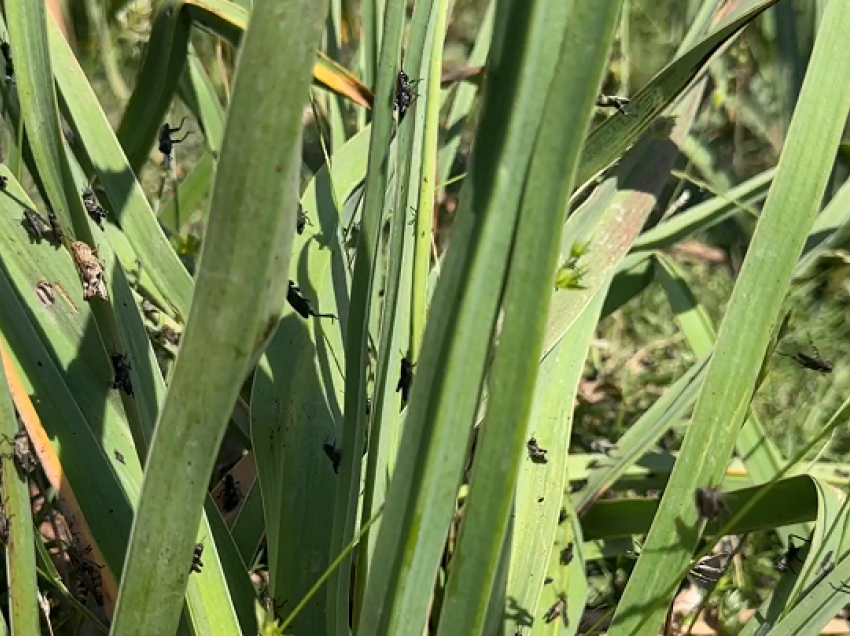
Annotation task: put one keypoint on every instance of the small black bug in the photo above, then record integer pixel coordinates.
(301, 305)
(166, 143)
(557, 609)
(197, 564)
(566, 555)
(786, 559)
(709, 502)
(614, 101)
(55, 228)
(302, 220)
(93, 208)
(535, 453)
(4, 523)
(334, 455)
(231, 494)
(121, 370)
(577, 485)
(6, 50)
(562, 516)
(812, 362)
(35, 225)
(548, 580)
(405, 379)
(3, 182)
(119, 457)
(404, 94)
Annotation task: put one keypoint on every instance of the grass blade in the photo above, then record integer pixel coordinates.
(229, 320)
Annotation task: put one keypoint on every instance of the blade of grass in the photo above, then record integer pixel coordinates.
(305, 362)
(449, 376)
(17, 512)
(235, 309)
(534, 530)
(357, 335)
(569, 105)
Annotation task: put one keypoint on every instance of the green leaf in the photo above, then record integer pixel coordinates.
(239, 293)
(580, 66)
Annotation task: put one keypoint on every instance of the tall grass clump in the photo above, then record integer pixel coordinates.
(324, 319)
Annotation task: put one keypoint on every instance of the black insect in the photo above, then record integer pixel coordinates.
(91, 580)
(566, 555)
(4, 523)
(119, 456)
(197, 564)
(302, 220)
(535, 453)
(812, 362)
(22, 451)
(6, 50)
(709, 502)
(166, 143)
(121, 373)
(334, 455)
(55, 228)
(301, 305)
(3, 182)
(562, 516)
(558, 609)
(93, 208)
(404, 94)
(614, 101)
(231, 494)
(35, 225)
(405, 379)
(577, 485)
(786, 560)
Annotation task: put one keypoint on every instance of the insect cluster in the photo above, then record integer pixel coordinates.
(89, 579)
